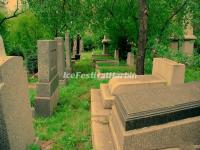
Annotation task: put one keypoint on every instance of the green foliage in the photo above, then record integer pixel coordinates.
(21, 40)
(33, 147)
(89, 43)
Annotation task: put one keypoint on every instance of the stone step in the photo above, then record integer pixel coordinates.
(101, 137)
(106, 96)
(97, 109)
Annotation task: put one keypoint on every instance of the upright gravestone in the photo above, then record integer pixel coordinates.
(74, 47)
(77, 56)
(16, 128)
(130, 59)
(105, 43)
(61, 66)
(116, 55)
(47, 88)
(68, 54)
(2, 48)
(81, 46)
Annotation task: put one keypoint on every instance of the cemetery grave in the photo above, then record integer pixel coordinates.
(99, 75)
(59, 125)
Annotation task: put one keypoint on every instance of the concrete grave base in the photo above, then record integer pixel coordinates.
(101, 137)
(63, 82)
(45, 105)
(170, 135)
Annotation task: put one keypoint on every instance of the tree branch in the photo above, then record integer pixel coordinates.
(170, 18)
(15, 14)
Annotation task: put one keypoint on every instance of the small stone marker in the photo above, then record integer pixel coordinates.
(130, 59)
(2, 48)
(105, 43)
(16, 128)
(61, 66)
(116, 55)
(81, 46)
(68, 53)
(74, 47)
(47, 88)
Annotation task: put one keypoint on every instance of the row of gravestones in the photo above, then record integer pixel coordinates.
(16, 128)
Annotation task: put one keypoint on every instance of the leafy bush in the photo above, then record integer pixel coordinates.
(89, 43)
(21, 40)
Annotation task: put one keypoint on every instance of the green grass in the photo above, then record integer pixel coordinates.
(192, 74)
(32, 79)
(116, 69)
(104, 58)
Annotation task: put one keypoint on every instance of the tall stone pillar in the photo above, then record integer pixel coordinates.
(47, 88)
(16, 122)
(2, 48)
(61, 66)
(105, 43)
(68, 53)
(77, 56)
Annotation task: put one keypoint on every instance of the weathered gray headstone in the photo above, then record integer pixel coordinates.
(16, 128)
(81, 46)
(130, 59)
(2, 48)
(68, 53)
(61, 66)
(78, 50)
(116, 55)
(47, 88)
(105, 43)
(74, 47)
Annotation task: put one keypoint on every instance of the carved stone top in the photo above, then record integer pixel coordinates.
(105, 40)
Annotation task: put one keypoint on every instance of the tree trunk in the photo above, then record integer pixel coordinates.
(142, 40)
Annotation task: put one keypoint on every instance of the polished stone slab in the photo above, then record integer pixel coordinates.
(156, 106)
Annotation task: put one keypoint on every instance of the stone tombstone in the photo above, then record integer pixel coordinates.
(74, 47)
(68, 53)
(187, 45)
(2, 48)
(81, 46)
(105, 43)
(61, 66)
(78, 39)
(160, 118)
(47, 87)
(116, 55)
(130, 59)
(16, 128)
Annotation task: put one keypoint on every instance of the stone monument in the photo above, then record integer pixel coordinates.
(68, 53)
(61, 65)
(78, 39)
(16, 126)
(105, 43)
(187, 45)
(47, 87)
(159, 118)
(2, 48)
(116, 55)
(130, 59)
